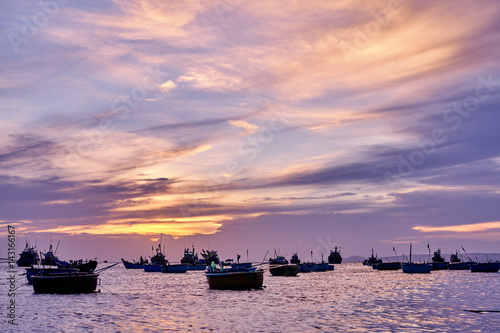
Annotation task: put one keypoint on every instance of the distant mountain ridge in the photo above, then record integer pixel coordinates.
(426, 257)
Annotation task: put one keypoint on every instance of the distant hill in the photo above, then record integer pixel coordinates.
(426, 257)
(353, 259)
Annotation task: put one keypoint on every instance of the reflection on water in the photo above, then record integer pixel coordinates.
(351, 298)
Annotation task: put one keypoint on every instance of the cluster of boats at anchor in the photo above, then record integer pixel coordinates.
(438, 262)
(48, 274)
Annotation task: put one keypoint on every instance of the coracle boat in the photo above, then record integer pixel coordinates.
(411, 267)
(231, 278)
(28, 257)
(65, 283)
(284, 270)
(485, 267)
(174, 268)
(335, 257)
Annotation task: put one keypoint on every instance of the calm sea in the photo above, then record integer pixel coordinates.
(352, 298)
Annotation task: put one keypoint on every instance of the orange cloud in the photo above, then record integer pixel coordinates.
(475, 227)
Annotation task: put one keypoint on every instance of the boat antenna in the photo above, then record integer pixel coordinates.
(429, 256)
(56, 247)
(247, 256)
(395, 253)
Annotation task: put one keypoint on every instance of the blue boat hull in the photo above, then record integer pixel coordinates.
(200, 267)
(313, 267)
(486, 267)
(182, 268)
(152, 268)
(416, 268)
(388, 266)
(459, 266)
(129, 265)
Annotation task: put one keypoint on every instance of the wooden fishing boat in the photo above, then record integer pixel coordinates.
(313, 267)
(373, 259)
(335, 257)
(174, 268)
(152, 268)
(411, 267)
(191, 258)
(45, 270)
(284, 270)
(485, 267)
(28, 257)
(438, 261)
(463, 266)
(246, 279)
(80, 265)
(65, 283)
(130, 265)
(388, 266)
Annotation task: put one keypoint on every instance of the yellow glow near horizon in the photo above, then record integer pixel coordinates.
(475, 227)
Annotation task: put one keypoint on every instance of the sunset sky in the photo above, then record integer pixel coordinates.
(250, 125)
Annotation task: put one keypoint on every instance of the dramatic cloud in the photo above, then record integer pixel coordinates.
(127, 119)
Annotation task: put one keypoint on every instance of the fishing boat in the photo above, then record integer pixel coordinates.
(28, 257)
(284, 270)
(156, 261)
(295, 259)
(87, 266)
(335, 257)
(438, 261)
(65, 283)
(230, 278)
(191, 258)
(312, 266)
(485, 267)
(278, 260)
(454, 257)
(388, 266)
(457, 263)
(174, 268)
(45, 270)
(373, 259)
(50, 258)
(132, 265)
(247, 279)
(411, 267)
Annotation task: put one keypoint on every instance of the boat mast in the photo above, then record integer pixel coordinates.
(410, 252)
